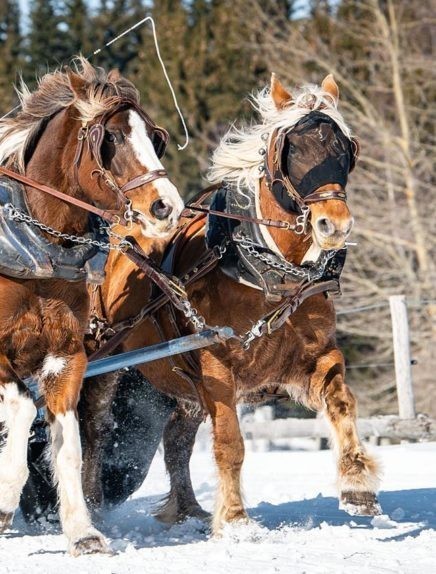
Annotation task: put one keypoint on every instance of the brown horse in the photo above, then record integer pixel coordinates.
(288, 173)
(83, 133)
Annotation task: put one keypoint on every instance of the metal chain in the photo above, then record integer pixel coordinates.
(190, 312)
(310, 274)
(15, 214)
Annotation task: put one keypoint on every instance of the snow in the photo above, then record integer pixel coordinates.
(296, 524)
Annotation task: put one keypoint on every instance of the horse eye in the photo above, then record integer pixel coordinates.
(110, 137)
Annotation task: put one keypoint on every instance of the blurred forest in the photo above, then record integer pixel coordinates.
(216, 53)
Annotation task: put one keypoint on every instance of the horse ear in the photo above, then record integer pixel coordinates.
(114, 75)
(281, 97)
(77, 84)
(330, 86)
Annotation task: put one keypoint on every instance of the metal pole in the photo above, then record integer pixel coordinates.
(159, 351)
(403, 371)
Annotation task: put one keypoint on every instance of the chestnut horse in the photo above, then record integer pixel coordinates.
(287, 177)
(84, 133)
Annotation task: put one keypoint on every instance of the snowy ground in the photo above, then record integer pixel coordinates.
(297, 527)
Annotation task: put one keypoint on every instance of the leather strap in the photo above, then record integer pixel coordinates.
(122, 329)
(326, 194)
(276, 318)
(108, 215)
(144, 179)
(239, 217)
(170, 287)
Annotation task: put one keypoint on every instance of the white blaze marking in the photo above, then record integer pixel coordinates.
(144, 151)
(19, 412)
(53, 365)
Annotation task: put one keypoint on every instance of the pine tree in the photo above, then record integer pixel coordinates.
(109, 21)
(77, 33)
(10, 44)
(46, 41)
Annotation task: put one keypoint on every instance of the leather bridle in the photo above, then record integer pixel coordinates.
(94, 135)
(274, 174)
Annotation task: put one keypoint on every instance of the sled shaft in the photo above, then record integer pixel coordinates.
(159, 351)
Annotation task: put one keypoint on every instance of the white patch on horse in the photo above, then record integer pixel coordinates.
(53, 365)
(146, 155)
(263, 229)
(67, 465)
(312, 254)
(19, 413)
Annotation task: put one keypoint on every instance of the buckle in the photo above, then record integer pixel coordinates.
(83, 133)
(301, 221)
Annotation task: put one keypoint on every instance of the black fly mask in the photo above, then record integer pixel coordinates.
(313, 153)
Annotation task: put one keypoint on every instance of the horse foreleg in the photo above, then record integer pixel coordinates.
(17, 411)
(358, 472)
(179, 438)
(227, 441)
(95, 413)
(62, 378)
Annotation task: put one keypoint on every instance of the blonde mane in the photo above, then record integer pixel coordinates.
(238, 161)
(53, 94)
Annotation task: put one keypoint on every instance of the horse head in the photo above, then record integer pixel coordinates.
(309, 162)
(85, 132)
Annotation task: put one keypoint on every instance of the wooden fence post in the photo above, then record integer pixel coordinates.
(403, 370)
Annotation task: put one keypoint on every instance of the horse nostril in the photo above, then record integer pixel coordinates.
(325, 226)
(160, 209)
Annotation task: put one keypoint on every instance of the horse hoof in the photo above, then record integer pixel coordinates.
(171, 512)
(360, 503)
(198, 512)
(5, 520)
(93, 544)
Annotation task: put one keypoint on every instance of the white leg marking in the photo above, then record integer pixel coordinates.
(19, 412)
(53, 365)
(144, 151)
(67, 462)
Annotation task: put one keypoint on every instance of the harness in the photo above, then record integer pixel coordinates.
(25, 252)
(249, 260)
(235, 244)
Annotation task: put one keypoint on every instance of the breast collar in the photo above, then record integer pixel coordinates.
(26, 254)
(251, 261)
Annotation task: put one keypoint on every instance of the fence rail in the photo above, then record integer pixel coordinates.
(391, 426)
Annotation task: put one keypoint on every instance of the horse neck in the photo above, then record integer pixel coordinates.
(292, 246)
(125, 289)
(52, 164)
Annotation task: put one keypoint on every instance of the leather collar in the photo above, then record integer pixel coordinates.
(271, 272)
(25, 253)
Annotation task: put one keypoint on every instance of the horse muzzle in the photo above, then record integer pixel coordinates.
(331, 233)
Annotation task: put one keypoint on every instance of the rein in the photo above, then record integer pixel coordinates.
(108, 215)
(267, 222)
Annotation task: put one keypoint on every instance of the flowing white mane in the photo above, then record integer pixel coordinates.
(237, 159)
